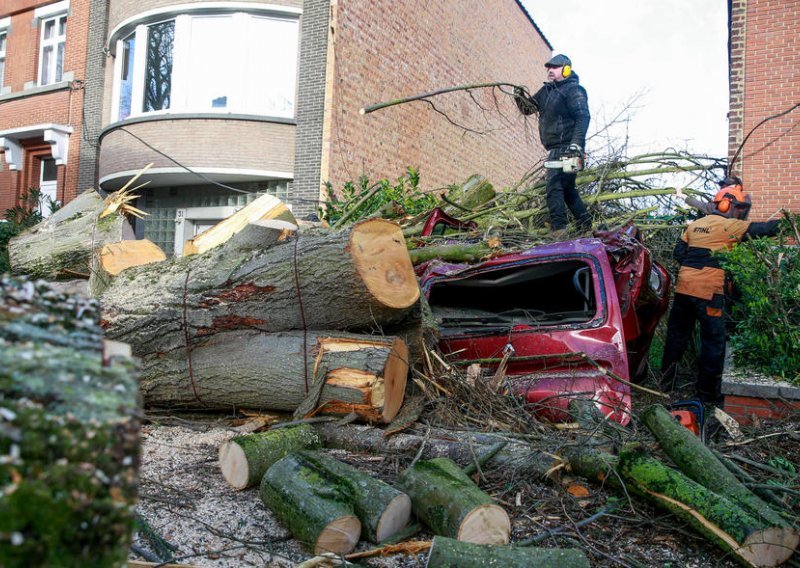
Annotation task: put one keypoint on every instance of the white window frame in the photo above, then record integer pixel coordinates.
(47, 188)
(3, 47)
(53, 43)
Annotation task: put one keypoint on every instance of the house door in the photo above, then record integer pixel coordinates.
(48, 186)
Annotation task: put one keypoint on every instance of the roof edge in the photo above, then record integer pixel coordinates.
(530, 19)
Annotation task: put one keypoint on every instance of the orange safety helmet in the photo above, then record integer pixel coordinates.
(731, 200)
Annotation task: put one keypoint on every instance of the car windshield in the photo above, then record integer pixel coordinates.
(542, 294)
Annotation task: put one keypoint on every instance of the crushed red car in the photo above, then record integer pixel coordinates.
(574, 317)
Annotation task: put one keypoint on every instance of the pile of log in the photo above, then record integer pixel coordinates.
(257, 315)
(69, 433)
(330, 506)
(703, 493)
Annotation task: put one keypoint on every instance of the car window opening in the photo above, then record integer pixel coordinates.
(552, 293)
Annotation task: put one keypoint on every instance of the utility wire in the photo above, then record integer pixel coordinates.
(778, 115)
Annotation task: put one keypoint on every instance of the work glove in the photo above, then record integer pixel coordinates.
(525, 105)
(574, 150)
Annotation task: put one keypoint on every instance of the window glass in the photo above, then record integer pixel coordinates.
(158, 75)
(51, 49)
(126, 77)
(271, 68)
(48, 186)
(213, 71)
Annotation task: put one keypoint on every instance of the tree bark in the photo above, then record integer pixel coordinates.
(449, 553)
(382, 509)
(718, 518)
(278, 371)
(700, 464)
(316, 510)
(62, 245)
(448, 501)
(245, 459)
(69, 433)
(516, 458)
(347, 281)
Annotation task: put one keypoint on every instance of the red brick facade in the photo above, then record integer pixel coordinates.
(744, 408)
(23, 104)
(384, 50)
(765, 80)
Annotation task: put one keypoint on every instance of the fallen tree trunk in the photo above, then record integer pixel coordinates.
(450, 553)
(516, 458)
(62, 245)
(245, 459)
(448, 501)
(336, 372)
(382, 509)
(700, 464)
(316, 510)
(348, 281)
(69, 433)
(718, 518)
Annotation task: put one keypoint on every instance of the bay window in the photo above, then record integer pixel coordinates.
(208, 63)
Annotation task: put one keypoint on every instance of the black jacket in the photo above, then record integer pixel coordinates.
(563, 109)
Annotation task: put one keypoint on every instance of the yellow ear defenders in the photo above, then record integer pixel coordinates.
(566, 71)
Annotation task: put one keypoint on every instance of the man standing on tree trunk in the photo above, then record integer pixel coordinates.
(563, 110)
(700, 290)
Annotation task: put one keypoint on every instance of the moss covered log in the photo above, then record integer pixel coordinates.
(382, 509)
(450, 503)
(68, 434)
(245, 459)
(700, 464)
(450, 553)
(317, 511)
(733, 529)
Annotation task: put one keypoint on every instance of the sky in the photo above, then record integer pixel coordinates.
(668, 56)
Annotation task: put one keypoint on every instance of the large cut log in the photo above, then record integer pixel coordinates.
(700, 464)
(450, 553)
(245, 459)
(721, 520)
(68, 433)
(316, 511)
(358, 280)
(450, 503)
(264, 208)
(113, 258)
(515, 458)
(338, 372)
(62, 245)
(382, 509)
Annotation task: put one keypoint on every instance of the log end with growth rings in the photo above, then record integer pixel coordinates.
(379, 254)
(234, 465)
(488, 524)
(394, 518)
(340, 536)
(769, 547)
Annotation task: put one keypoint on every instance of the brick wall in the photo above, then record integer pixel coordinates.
(94, 92)
(765, 80)
(21, 108)
(200, 144)
(312, 62)
(385, 50)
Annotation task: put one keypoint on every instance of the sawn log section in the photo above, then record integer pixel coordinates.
(357, 280)
(278, 371)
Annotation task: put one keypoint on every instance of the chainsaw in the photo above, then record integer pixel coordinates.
(568, 164)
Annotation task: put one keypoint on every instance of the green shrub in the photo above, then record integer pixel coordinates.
(767, 313)
(380, 199)
(19, 218)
